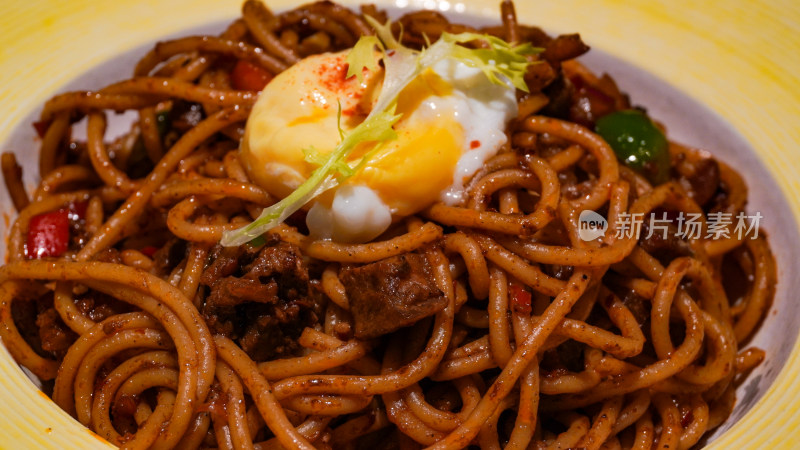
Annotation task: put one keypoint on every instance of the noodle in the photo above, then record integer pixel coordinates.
(148, 332)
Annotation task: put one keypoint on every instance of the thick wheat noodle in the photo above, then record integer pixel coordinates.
(488, 437)
(628, 344)
(603, 424)
(528, 405)
(193, 385)
(699, 424)
(177, 191)
(517, 225)
(499, 326)
(361, 253)
(509, 201)
(373, 420)
(86, 101)
(645, 432)
(254, 420)
(261, 393)
(150, 134)
(472, 254)
(396, 409)
(681, 358)
(668, 193)
(12, 174)
(185, 70)
(577, 134)
(111, 230)
(64, 304)
(259, 20)
(149, 431)
(661, 303)
(311, 338)
(758, 296)
(481, 193)
(314, 362)
(722, 359)
(670, 422)
(104, 396)
(61, 176)
(101, 162)
(138, 338)
(353, 22)
(509, 17)
(194, 364)
(748, 359)
(12, 290)
(633, 411)
(63, 390)
(435, 418)
(311, 428)
(333, 287)
(235, 407)
(529, 274)
(49, 151)
(326, 405)
(519, 360)
(566, 158)
(222, 434)
(319, 22)
(136, 259)
(414, 399)
(210, 44)
(571, 383)
(195, 264)
(197, 431)
(577, 426)
(179, 224)
(172, 88)
(457, 367)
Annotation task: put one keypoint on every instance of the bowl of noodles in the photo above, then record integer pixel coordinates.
(438, 224)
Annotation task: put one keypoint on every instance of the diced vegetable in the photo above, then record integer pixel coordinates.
(520, 298)
(48, 234)
(163, 123)
(638, 143)
(41, 127)
(149, 251)
(249, 77)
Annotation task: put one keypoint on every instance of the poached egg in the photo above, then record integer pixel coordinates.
(453, 120)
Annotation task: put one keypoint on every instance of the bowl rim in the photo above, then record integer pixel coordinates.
(733, 33)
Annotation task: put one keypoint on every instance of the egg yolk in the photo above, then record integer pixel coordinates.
(298, 110)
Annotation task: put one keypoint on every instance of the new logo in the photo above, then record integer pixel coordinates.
(591, 225)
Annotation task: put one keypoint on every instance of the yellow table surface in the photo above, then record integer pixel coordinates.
(740, 58)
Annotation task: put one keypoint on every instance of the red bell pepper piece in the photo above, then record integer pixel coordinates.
(48, 234)
(249, 77)
(520, 298)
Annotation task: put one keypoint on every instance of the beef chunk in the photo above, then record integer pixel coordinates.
(169, 256)
(391, 294)
(55, 336)
(231, 291)
(700, 178)
(261, 298)
(564, 47)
